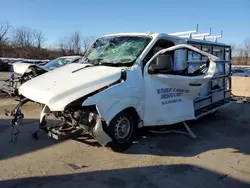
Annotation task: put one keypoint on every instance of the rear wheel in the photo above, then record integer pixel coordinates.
(122, 130)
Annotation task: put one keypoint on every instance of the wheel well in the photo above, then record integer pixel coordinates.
(133, 112)
(129, 110)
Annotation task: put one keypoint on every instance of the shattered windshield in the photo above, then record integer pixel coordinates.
(56, 63)
(116, 50)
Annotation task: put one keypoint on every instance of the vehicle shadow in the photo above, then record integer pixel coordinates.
(229, 129)
(12, 146)
(174, 176)
(87, 139)
(24, 143)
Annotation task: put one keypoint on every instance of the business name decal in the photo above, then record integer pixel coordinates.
(171, 95)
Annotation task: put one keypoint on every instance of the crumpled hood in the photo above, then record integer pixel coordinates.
(64, 85)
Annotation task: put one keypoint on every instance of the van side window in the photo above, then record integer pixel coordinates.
(159, 45)
(164, 61)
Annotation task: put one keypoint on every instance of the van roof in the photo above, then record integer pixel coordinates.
(159, 35)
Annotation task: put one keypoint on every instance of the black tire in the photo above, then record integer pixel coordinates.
(117, 131)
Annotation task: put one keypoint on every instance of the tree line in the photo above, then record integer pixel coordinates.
(24, 42)
(241, 53)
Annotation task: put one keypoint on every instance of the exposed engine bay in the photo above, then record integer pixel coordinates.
(75, 121)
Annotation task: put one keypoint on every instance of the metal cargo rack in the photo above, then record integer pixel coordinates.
(214, 95)
(215, 92)
(193, 34)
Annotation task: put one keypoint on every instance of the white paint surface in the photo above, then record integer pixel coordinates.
(61, 86)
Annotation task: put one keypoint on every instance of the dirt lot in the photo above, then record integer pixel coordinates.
(241, 86)
(218, 158)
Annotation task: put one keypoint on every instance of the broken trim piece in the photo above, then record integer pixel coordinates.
(17, 114)
(188, 133)
(100, 135)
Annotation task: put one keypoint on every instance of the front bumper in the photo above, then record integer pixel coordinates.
(97, 130)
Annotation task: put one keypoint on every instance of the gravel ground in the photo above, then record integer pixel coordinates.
(218, 158)
(4, 75)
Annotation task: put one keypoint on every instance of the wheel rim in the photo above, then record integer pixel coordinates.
(122, 129)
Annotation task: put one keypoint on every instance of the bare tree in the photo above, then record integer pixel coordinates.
(63, 46)
(86, 42)
(75, 42)
(23, 37)
(4, 28)
(241, 55)
(234, 49)
(71, 44)
(246, 49)
(38, 38)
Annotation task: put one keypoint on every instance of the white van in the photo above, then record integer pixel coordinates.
(133, 80)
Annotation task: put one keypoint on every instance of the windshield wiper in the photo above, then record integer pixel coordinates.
(114, 64)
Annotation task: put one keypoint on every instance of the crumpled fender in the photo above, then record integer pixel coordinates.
(119, 97)
(117, 106)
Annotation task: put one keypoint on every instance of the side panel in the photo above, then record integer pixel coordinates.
(113, 100)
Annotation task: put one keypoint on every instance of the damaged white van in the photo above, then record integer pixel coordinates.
(133, 80)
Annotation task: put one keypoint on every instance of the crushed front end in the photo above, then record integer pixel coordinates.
(75, 122)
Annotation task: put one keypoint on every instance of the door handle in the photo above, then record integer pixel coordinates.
(194, 84)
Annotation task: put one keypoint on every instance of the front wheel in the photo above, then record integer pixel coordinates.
(122, 130)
